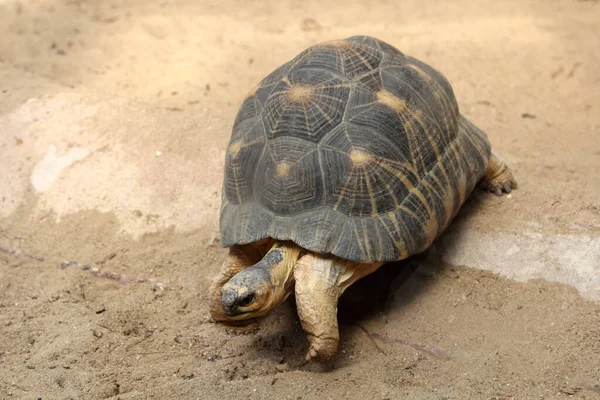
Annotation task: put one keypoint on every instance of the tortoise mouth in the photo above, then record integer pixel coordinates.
(235, 310)
(235, 313)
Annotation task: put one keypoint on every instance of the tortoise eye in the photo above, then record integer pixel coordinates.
(246, 300)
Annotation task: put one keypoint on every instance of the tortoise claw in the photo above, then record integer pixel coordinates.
(498, 177)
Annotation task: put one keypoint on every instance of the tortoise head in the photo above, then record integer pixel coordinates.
(255, 291)
(248, 294)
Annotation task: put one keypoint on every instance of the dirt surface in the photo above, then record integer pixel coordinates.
(114, 118)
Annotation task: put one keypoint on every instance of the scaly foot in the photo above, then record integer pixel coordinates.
(498, 177)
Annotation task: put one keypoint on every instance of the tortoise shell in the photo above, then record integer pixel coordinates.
(351, 148)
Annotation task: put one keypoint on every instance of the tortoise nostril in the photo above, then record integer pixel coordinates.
(228, 299)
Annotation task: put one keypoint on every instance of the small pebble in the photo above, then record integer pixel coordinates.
(29, 366)
(282, 367)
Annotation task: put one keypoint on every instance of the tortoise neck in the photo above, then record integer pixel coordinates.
(279, 263)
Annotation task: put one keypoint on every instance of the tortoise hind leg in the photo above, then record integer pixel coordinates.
(320, 281)
(498, 178)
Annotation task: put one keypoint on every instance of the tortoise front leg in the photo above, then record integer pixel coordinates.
(238, 259)
(320, 281)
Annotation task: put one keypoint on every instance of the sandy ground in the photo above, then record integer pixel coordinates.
(114, 117)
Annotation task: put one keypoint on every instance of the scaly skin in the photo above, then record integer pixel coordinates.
(238, 259)
(320, 281)
(498, 177)
(255, 291)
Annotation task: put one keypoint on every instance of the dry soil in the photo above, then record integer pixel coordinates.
(114, 118)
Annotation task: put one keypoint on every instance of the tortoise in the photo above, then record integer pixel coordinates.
(349, 156)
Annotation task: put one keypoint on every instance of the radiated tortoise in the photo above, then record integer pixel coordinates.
(348, 156)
